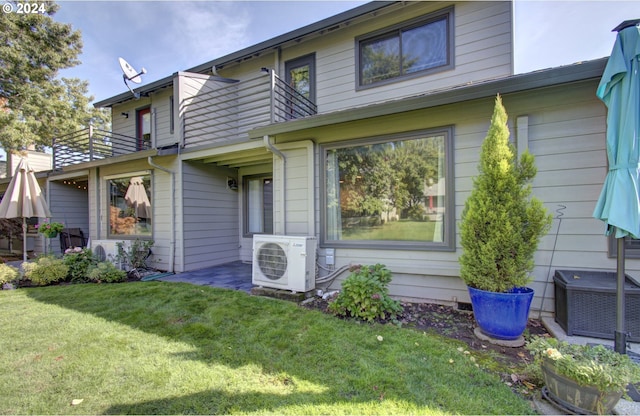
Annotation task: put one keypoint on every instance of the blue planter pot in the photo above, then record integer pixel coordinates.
(501, 315)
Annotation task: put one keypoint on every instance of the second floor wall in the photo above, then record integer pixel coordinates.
(453, 44)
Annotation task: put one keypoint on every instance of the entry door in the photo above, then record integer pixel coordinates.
(300, 75)
(258, 216)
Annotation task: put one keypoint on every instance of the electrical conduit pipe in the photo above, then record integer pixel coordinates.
(274, 150)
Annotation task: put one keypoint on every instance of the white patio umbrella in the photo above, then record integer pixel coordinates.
(23, 199)
(136, 197)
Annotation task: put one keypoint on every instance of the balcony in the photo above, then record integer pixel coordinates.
(224, 113)
(221, 112)
(91, 144)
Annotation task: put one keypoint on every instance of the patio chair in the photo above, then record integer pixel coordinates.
(72, 237)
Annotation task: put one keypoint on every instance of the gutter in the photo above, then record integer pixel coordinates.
(270, 147)
(545, 78)
(172, 241)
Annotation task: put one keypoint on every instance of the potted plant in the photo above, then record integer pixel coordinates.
(584, 379)
(50, 229)
(500, 230)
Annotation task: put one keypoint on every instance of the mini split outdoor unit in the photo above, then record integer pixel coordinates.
(107, 250)
(284, 262)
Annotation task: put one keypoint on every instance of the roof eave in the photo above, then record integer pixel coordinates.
(512, 84)
(272, 43)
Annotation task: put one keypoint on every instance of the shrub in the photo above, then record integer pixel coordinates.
(365, 295)
(416, 213)
(8, 273)
(107, 272)
(45, 270)
(587, 365)
(501, 222)
(136, 255)
(79, 261)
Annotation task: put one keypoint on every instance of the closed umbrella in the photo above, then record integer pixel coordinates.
(618, 205)
(23, 199)
(136, 197)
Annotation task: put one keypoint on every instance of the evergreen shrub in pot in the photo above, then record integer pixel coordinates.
(500, 230)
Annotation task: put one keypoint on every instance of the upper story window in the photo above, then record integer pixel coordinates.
(143, 126)
(392, 192)
(421, 46)
(300, 75)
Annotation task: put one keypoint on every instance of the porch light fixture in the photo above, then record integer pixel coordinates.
(125, 115)
(232, 184)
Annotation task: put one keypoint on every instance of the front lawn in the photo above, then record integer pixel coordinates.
(172, 348)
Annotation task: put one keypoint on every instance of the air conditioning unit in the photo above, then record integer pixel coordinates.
(284, 262)
(107, 250)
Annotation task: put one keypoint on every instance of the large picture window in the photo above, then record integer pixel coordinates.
(130, 212)
(392, 192)
(403, 51)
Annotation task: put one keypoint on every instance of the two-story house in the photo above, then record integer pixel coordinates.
(362, 130)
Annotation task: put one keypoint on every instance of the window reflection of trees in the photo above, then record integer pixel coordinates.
(386, 182)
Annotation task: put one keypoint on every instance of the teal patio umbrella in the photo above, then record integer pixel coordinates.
(619, 205)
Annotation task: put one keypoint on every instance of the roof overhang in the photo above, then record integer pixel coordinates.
(323, 26)
(545, 78)
(142, 154)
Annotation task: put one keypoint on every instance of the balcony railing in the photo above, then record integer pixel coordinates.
(226, 113)
(221, 113)
(287, 103)
(93, 144)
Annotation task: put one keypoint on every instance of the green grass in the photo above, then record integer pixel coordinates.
(171, 348)
(403, 230)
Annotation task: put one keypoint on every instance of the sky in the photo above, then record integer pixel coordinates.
(169, 36)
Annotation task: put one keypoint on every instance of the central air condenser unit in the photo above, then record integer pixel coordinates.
(284, 262)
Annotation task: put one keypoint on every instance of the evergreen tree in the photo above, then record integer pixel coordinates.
(35, 105)
(501, 223)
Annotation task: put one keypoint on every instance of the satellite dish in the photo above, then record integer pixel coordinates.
(130, 74)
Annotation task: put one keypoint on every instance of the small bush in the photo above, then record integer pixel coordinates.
(136, 255)
(45, 270)
(107, 272)
(417, 213)
(79, 261)
(8, 273)
(365, 295)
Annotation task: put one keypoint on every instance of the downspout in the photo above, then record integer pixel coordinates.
(172, 241)
(277, 152)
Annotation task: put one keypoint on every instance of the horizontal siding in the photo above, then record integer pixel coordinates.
(159, 103)
(210, 216)
(299, 193)
(566, 133)
(70, 206)
(483, 42)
